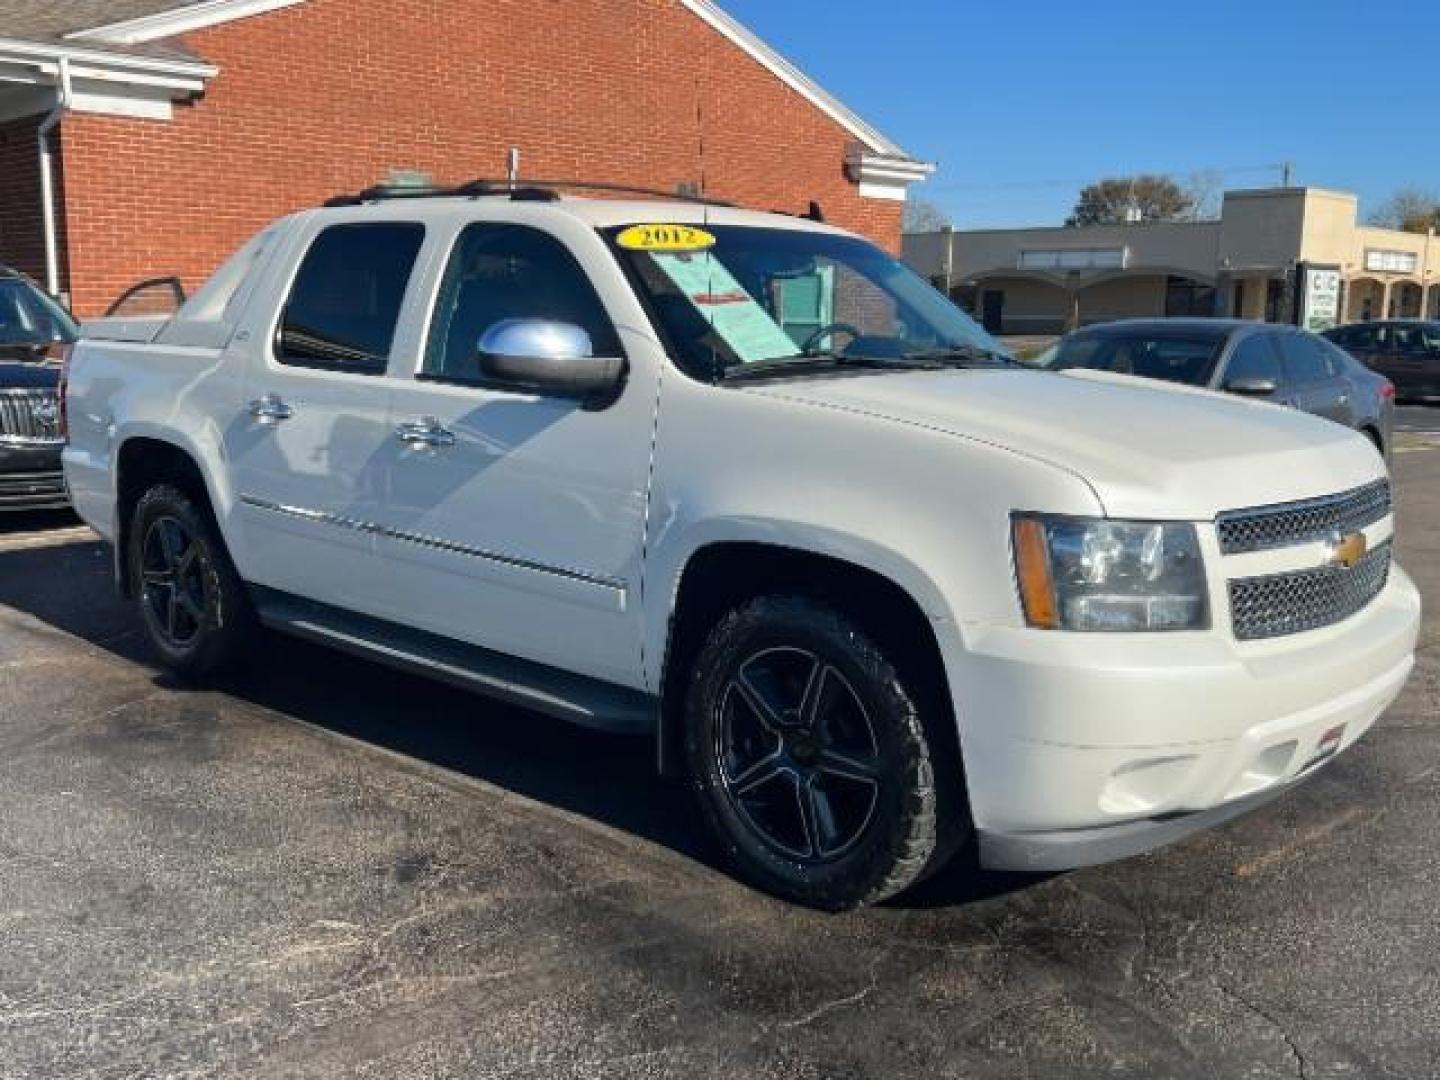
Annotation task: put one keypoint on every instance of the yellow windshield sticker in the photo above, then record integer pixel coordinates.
(665, 238)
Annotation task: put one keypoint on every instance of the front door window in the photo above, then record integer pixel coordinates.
(499, 272)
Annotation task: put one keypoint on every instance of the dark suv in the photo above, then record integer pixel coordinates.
(1405, 351)
(1268, 361)
(33, 331)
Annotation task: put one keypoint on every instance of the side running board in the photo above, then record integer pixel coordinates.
(579, 699)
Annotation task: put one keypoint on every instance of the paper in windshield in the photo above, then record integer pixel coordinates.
(735, 315)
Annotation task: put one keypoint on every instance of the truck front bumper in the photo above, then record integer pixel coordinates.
(31, 477)
(1083, 748)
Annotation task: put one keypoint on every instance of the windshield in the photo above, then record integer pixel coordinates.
(1174, 359)
(29, 317)
(760, 296)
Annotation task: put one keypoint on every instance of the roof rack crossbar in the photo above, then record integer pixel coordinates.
(617, 189)
(525, 191)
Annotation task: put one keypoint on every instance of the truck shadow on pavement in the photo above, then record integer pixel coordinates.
(61, 576)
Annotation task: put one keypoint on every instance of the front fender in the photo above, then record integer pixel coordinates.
(668, 562)
(926, 510)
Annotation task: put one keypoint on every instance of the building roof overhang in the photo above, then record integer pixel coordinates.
(106, 81)
(177, 18)
(883, 176)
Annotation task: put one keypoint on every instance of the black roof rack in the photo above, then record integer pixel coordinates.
(814, 213)
(524, 191)
(623, 189)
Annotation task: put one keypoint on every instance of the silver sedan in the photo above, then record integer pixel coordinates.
(1269, 361)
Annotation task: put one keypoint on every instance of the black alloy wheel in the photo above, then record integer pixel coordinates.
(175, 591)
(195, 609)
(798, 755)
(818, 771)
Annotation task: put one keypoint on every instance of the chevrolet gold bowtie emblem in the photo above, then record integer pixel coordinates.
(1346, 551)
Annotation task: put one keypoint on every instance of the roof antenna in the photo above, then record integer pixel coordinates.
(512, 167)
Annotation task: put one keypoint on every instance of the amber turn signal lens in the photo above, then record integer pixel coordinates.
(1032, 568)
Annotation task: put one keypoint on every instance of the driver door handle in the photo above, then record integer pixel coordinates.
(428, 432)
(270, 409)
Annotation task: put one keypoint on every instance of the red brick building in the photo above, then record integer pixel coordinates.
(174, 129)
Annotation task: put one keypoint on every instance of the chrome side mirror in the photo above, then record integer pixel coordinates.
(1256, 387)
(547, 357)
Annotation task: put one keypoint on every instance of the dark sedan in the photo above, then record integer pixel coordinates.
(1268, 361)
(33, 330)
(1405, 351)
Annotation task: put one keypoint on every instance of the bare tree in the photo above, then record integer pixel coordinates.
(922, 215)
(1206, 192)
(1411, 209)
(1121, 199)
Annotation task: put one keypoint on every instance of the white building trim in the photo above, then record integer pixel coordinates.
(179, 20)
(117, 84)
(48, 56)
(883, 176)
(145, 103)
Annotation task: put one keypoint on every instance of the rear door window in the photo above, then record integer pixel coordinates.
(1409, 339)
(345, 302)
(1355, 337)
(1306, 360)
(1173, 359)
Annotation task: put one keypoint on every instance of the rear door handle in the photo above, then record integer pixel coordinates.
(270, 410)
(427, 432)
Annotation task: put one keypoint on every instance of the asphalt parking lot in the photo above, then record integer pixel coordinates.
(1422, 419)
(333, 870)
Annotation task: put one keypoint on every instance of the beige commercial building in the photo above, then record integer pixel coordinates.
(1295, 255)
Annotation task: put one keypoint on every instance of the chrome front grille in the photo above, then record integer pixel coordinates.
(31, 416)
(1286, 524)
(1300, 600)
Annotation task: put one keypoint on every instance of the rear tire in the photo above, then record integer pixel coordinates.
(192, 603)
(811, 761)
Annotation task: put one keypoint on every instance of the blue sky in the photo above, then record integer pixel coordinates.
(1021, 101)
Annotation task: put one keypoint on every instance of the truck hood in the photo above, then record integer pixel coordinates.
(1148, 449)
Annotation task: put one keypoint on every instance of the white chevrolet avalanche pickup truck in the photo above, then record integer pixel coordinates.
(745, 481)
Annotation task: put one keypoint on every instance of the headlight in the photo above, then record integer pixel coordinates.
(1096, 574)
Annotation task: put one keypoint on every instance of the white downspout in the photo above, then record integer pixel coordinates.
(47, 180)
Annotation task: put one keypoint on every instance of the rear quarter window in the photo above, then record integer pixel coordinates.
(1255, 358)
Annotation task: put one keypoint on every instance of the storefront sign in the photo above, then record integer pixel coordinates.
(1320, 297)
(1390, 262)
(1114, 258)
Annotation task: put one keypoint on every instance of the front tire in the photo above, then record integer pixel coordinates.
(810, 758)
(192, 602)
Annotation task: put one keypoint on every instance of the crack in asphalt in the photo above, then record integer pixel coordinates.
(828, 1007)
(1141, 928)
(1302, 1063)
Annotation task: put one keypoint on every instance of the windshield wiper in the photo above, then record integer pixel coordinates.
(826, 362)
(963, 356)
